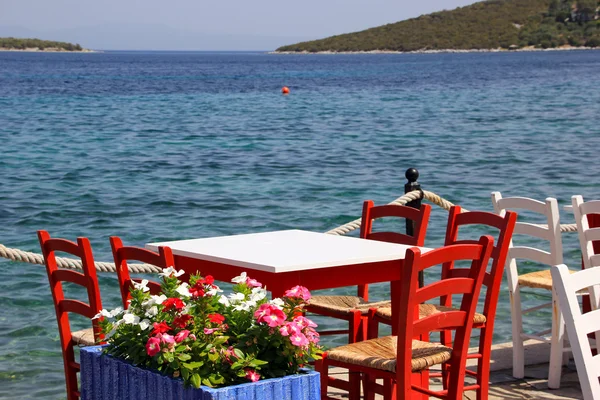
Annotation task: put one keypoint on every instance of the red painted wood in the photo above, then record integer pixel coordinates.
(408, 326)
(62, 306)
(122, 254)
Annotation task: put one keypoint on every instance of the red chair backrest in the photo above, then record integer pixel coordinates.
(492, 279)
(162, 259)
(408, 322)
(419, 217)
(87, 279)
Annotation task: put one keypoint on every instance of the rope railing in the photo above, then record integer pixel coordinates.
(63, 262)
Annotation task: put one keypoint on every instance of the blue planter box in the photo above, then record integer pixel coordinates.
(107, 378)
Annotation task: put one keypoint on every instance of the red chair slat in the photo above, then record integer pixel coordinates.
(63, 245)
(77, 307)
(66, 275)
(121, 254)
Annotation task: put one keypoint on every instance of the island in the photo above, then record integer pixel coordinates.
(17, 44)
(493, 25)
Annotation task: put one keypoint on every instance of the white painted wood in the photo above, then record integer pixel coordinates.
(578, 325)
(580, 210)
(524, 228)
(549, 211)
(530, 253)
(283, 251)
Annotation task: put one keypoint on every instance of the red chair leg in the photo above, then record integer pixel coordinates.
(355, 327)
(322, 367)
(373, 325)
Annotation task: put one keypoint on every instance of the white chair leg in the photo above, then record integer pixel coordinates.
(517, 330)
(557, 344)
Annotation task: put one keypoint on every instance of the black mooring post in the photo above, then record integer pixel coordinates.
(412, 175)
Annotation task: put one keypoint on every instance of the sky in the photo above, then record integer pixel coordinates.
(202, 24)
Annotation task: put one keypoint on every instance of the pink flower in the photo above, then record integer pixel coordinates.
(153, 346)
(209, 331)
(181, 336)
(252, 375)
(312, 336)
(285, 330)
(303, 322)
(298, 339)
(269, 314)
(166, 338)
(192, 336)
(253, 283)
(299, 292)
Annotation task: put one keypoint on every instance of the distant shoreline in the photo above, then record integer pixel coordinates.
(48, 50)
(499, 50)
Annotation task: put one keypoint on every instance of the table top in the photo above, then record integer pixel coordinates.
(284, 251)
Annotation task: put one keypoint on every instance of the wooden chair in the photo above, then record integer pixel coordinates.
(354, 309)
(568, 285)
(587, 235)
(397, 359)
(63, 306)
(121, 254)
(492, 281)
(538, 280)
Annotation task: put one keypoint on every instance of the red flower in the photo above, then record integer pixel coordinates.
(197, 290)
(209, 280)
(173, 304)
(153, 346)
(182, 321)
(161, 327)
(216, 318)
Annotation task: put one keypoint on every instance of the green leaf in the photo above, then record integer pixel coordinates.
(193, 365)
(195, 380)
(216, 379)
(184, 357)
(257, 363)
(213, 356)
(238, 353)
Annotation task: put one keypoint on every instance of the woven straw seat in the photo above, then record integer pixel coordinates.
(84, 337)
(380, 354)
(538, 279)
(344, 304)
(426, 310)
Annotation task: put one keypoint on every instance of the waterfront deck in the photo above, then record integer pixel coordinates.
(504, 386)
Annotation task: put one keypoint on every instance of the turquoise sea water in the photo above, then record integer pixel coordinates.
(165, 146)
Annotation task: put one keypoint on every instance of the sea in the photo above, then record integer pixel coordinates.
(157, 146)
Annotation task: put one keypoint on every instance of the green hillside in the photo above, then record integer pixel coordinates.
(22, 44)
(485, 25)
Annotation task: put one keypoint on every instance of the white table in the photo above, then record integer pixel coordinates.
(283, 259)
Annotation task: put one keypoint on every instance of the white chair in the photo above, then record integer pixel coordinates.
(586, 234)
(566, 285)
(539, 280)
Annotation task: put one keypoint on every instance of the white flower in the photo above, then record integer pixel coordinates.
(235, 297)
(277, 302)
(224, 300)
(245, 306)
(167, 272)
(143, 285)
(103, 313)
(184, 290)
(240, 279)
(131, 319)
(214, 291)
(151, 312)
(156, 300)
(145, 324)
(116, 311)
(258, 294)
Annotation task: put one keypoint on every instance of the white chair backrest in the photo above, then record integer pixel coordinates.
(586, 234)
(551, 232)
(579, 325)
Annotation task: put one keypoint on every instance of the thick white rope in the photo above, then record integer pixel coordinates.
(62, 262)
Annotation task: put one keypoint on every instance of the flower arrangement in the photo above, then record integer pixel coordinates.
(194, 332)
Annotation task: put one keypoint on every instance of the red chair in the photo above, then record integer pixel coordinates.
(162, 259)
(354, 309)
(399, 360)
(63, 307)
(492, 281)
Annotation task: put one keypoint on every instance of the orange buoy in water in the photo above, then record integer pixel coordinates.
(285, 90)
